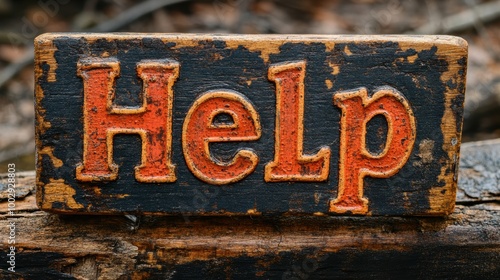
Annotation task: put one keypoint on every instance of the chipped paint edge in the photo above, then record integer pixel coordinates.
(58, 191)
(442, 198)
(41, 125)
(266, 45)
(452, 135)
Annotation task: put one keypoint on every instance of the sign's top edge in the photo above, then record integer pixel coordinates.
(416, 39)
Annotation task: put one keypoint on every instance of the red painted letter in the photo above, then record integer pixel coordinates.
(355, 160)
(102, 120)
(290, 164)
(200, 130)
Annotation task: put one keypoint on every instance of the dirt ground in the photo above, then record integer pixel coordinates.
(20, 21)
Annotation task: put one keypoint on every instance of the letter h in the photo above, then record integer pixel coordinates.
(102, 120)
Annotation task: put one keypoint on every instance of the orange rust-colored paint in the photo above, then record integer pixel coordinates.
(200, 130)
(356, 161)
(152, 121)
(290, 164)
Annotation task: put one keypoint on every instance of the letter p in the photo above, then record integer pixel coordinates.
(356, 161)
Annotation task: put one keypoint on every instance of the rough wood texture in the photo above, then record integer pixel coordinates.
(464, 245)
(224, 125)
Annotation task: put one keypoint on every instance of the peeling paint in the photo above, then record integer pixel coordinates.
(329, 84)
(425, 149)
(317, 196)
(272, 47)
(41, 124)
(182, 43)
(412, 58)
(442, 199)
(58, 191)
(49, 151)
(253, 212)
(41, 54)
(347, 50)
(46, 54)
(329, 46)
(335, 68)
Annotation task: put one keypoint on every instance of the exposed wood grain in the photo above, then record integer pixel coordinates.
(464, 245)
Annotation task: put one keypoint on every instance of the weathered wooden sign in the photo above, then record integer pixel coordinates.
(240, 124)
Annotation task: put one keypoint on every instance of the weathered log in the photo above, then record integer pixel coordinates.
(464, 245)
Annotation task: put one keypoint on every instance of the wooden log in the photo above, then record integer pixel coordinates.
(464, 245)
(239, 124)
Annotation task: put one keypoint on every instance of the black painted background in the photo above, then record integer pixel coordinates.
(370, 65)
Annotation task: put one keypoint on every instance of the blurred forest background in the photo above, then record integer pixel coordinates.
(20, 21)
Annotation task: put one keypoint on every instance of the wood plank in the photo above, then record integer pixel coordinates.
(240, 124)
(464, 245)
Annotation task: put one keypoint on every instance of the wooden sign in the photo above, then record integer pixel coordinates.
(240, 124)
